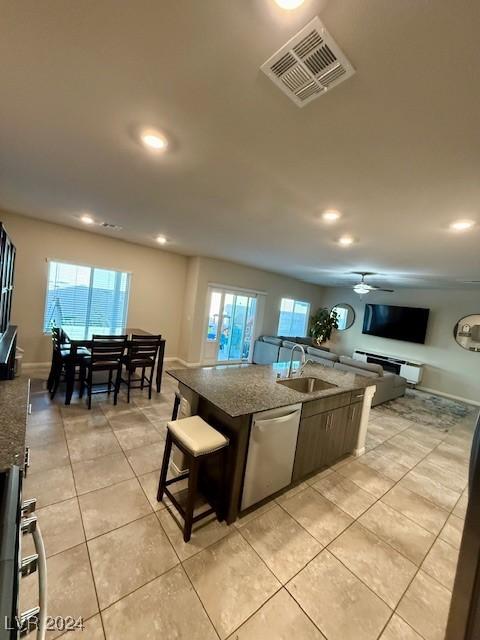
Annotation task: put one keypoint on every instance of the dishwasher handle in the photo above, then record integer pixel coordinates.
(261, 426)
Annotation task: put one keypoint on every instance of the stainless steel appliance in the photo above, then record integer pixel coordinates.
(271, 453)
(464, 617)
(16, 520)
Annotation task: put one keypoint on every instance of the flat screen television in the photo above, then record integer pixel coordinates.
(399, 323)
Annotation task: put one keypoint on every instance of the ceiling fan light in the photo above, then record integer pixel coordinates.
(361, 288)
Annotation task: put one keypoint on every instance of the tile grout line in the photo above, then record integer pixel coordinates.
(243, 537)
(85, 536)
(394, 610)
(86, 540)
(418, 567)
(239, 529)
(430, 548)
(282, 584)
(180, 563)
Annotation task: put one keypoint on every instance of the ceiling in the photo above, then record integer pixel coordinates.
(395, 148)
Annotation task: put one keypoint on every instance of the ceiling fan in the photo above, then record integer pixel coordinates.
(362, 287)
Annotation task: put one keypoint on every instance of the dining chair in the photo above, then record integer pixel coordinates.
(107, 356)
(61, 355)
(141, 354)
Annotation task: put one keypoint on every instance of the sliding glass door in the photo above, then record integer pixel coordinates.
(230, 326)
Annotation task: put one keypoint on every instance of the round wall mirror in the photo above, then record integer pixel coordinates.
(467, 332)
(345, 315)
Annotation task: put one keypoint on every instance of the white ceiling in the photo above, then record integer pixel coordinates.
(395, 147)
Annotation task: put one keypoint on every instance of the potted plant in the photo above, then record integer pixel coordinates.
(322, 323)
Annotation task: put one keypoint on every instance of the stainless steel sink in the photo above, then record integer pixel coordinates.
(306, 384)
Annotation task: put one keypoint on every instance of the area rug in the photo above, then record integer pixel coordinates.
(427, 408)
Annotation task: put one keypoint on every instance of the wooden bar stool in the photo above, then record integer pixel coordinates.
(198, 441)
(176, 405)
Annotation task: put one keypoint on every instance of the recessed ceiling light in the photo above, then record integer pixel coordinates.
(331, 215)
(345, 241)
(86, 219)
(289, 4)
(462, 225)
(154, 140)
(161, 240)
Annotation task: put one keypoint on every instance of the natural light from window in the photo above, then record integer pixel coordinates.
(293, 320)
(342, 317)
(85, 299)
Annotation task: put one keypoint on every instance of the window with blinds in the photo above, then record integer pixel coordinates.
(293, 319)
(85, 299)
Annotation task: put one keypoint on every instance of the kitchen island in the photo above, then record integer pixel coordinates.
(331, 407)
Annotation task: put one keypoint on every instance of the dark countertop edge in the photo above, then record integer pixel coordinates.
(239, 415)
(300, 397)
(14, 395)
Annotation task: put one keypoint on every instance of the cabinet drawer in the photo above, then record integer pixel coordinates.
(325, 404)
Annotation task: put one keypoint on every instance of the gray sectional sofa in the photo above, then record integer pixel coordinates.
(269, 349)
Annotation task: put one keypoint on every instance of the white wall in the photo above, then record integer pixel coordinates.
(157, 284)
(193, 273)
(205, 271)
(168, 291)
(450, 369)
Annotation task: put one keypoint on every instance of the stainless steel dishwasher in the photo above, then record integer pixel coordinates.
(271, 453)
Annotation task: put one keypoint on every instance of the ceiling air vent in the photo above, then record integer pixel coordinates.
(308, 65)
(109, 225)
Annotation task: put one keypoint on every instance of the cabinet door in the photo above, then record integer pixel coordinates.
(312, 445)
(336, 424)
(352, 427)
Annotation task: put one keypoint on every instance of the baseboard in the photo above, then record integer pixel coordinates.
(189, 365)
(32, 365)
(476, 403)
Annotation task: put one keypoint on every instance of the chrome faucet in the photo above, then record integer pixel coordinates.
(297, 346)
(301, 371)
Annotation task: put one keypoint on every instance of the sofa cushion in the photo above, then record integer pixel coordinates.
(305, 340)
(289, 344)
(359, 372)
(321, 361)
(320, 353)
(272, 340)
(358, 364)
(285, 355)
(265, 353)
(395, 379)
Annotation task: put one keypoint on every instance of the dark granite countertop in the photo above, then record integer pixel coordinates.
(243, 389)
(13, 420)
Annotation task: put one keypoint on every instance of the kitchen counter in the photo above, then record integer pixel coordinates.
(13, 420)
(240, 390)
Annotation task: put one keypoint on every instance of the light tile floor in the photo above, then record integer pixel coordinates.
(365, 550)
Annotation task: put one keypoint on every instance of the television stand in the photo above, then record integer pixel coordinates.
(412, 371)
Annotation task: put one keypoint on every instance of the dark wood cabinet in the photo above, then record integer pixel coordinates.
(326, 435)
(8, 333)
(352, 426)
(7, 269)
(311, 445)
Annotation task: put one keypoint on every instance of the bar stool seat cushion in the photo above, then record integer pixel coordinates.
(196, 435)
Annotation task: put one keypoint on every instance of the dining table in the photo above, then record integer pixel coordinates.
(77, 337)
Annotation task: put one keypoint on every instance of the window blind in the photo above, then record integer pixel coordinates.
(85, 299)
(293, 320)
